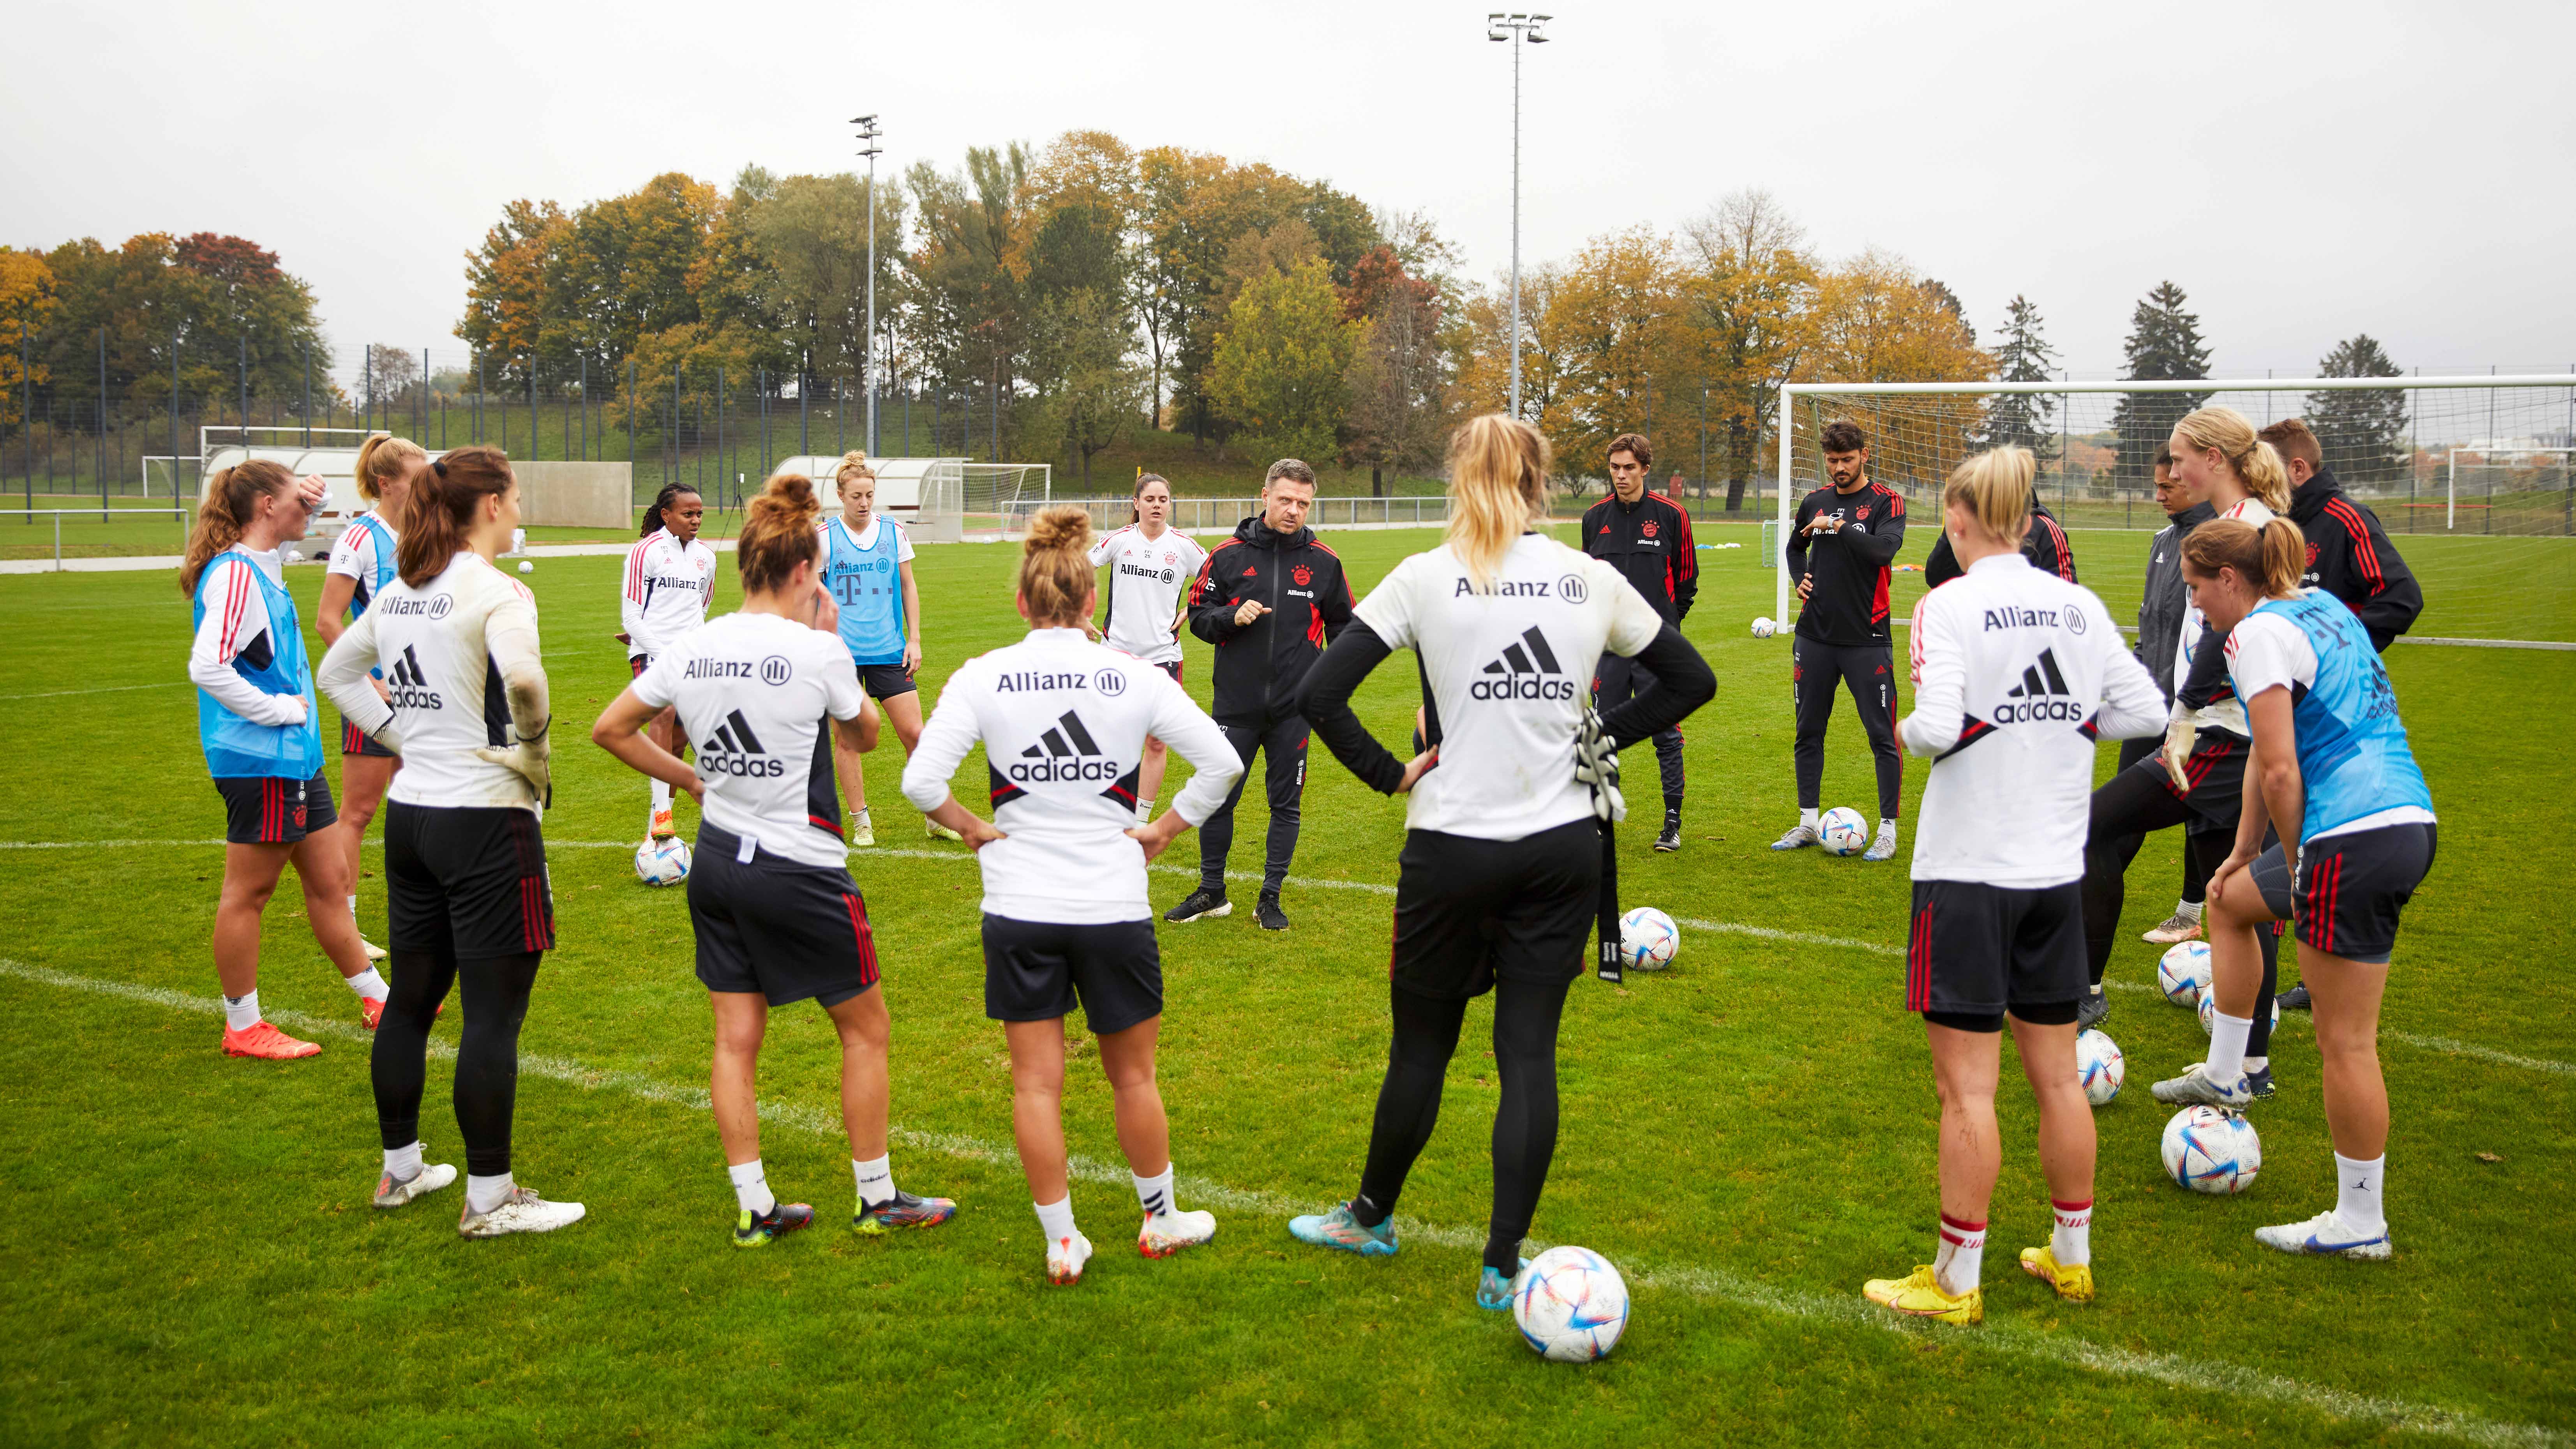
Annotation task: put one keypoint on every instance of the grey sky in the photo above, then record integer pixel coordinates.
(2304, 171)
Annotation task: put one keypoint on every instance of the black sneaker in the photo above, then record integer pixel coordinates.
(1199, 904)
(1272, 918)
(2295, 999)
(2260, 1082)
(2091, 1010)
(1671, 839)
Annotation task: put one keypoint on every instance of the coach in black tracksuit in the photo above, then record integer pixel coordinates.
(1647, 538)
(1845, 538)
(1270, 598)
(2043, 543)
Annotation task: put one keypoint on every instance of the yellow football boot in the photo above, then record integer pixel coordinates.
(1920, 1296)
(2073, 1281)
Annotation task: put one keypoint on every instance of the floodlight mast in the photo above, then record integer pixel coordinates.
(1506, 28)
(868, 133)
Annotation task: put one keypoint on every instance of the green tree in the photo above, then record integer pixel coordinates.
(2022, 419)
(508, 302)
(2363, 432)
(1281, 363)
(971, 305)
(1082, 355)
(238, 320)
(2163, 345)
(1398, 380)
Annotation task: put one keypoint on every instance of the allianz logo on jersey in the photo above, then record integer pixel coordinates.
(1150, 574)
(1524, 672)
(405, 688)
(734, 750)
(1066, 751)
(2041, 695)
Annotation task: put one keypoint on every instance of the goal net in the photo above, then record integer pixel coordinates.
(2471, 477)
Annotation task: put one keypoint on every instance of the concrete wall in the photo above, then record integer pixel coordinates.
(576, 495)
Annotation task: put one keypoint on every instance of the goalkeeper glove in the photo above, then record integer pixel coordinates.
(1597, 766)
(528, 758)
(2179, 737)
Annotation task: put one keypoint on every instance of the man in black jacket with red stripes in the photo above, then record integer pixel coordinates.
(1647, 537)
(2349, 555)
(1270, 598)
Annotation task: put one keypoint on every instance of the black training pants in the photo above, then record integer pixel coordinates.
(1283, 742)
(1618, 679)
(487, 1054)
(1814, 672)
(1526, 1016)
(2126, 808)
(2195, 871)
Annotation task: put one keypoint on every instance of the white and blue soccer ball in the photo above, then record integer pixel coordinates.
(2211, 1151)
(2209, 1013)
(2183, 974)
(1571, 1305)
(1764, 628)
(1843, 831)
(2100, 1067)
(1647, 939)
(662, 861)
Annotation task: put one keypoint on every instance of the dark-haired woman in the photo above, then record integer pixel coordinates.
(1150, 568)
(777, 917)
(362, 563)
(670, 576)
(465, 864)
(263, 744)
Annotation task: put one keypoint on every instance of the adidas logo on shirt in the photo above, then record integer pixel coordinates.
(734, 750)
(1065, 751)
(1524, 672)
(406, 688)
(2041, 695)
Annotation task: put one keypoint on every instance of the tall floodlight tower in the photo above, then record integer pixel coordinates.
(1525, 30)
(868, 134)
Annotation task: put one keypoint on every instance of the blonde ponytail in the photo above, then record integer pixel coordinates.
(382, 458)
(230, 502)
(2273, 557)
(1497, 487)
(1056, 583)
(2257, 464)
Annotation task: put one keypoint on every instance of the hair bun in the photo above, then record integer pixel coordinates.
(1061, 527)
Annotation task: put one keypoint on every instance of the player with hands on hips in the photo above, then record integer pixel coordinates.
(867, 575)
(670, 577)
(361, 564)
(1150, 569)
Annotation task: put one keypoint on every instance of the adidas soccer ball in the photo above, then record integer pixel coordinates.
(2209, 1013)
(2100, 1067)
(1571, 1305)
(1843, 831)
(1648, 939)
(2211, 1151)
(1763, 628)
(662, 861)
(2183, 974)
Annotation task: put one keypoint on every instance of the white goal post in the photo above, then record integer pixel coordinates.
(1949, 411)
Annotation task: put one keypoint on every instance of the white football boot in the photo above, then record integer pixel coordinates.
(431, 1177)
(521, 1212)
(1167, 1233)
(2325, 1236)
(1065, 1257)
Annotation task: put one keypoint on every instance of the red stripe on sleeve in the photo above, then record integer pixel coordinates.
(2363, 553)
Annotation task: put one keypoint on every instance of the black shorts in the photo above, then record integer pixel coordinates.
(467, 883)
(775, 926)
(2215, 773)
(1469, 910)
(1034, 970)
(885, 681)
(1977, 951)
(355, 741)
(636, 664)
(2350, 888)
(268, 810)
(1172, 668)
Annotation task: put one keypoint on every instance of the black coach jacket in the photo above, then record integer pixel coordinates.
(1260, 665)
(2349, 557)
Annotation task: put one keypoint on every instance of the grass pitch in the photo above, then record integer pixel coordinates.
(192, 1258)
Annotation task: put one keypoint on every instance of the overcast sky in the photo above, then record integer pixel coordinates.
(2304, 171)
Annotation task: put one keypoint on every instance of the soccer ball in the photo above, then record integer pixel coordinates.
(526, 567)
(1571, 1305)
(1843, 831)
(1763, 628)
(2209, 1013)
(2184, 973)
(2100, 1067)
(662, 861)
(2211, 1151)
(1648, 939)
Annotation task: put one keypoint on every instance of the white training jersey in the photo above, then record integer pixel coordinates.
(235, 623)
(2226, 712)
(1510, 669)
(665, 591)
(1063, 723)
(1147, 577)
(2016, 674)
(753, 691)
(434, 643)
(353, 556)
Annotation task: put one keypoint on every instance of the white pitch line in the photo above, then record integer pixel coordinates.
(2063, 1349)
(102, 689)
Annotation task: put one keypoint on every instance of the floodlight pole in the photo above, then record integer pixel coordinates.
(868, 133)
(1524, 28)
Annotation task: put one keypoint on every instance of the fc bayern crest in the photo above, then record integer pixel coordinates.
(1647, 528)
(1302, 574)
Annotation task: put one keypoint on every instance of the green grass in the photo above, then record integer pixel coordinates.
(1749, 1134)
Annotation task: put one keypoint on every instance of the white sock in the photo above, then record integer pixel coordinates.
(353, 905)
(402, 1164)
(1962, 1256)
(2358, 1186)
(2097, 988)
(751, 1187)
(876, 1180)
(1887, 825)
(369, 985)
(2072, 1242)
(482, 1194)
(1055, 1219)
(661, 796)
(1807, 816)
(2227, 1046)
(2188, 910)
(241, 1013)
(2256, 1064)
(1154, 1194)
